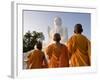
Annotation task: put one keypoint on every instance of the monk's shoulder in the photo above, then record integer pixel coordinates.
(84, 36)
(34, 52)
(51, 45)
(30, 53)
(73, 37)
(63, 45)
(38, 53)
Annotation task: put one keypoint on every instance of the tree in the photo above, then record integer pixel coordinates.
(30, 39)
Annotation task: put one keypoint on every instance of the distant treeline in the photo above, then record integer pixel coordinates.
(30, 39)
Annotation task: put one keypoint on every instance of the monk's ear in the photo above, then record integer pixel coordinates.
(82, 30)
(74, 31)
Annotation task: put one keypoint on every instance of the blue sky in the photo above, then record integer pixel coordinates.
(40, 20)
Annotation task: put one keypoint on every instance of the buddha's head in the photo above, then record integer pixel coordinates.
(57, 21)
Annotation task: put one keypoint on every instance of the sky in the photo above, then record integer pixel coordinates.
(40, 20)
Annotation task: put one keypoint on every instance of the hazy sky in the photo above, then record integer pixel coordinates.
(40, 20)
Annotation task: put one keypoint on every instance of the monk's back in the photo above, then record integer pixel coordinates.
(37, 59)
(79, 52)
(57, 49)
(81, 42)
(57, 52)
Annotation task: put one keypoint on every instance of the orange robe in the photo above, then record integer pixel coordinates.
(58, 55)
(79, 49)
(36, 59)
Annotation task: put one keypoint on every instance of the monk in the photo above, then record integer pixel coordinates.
(79, 48)
(57, 53)
(36, 59)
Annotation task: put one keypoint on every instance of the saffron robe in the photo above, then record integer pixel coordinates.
(36, 59)
(58, 55)
(79, 49)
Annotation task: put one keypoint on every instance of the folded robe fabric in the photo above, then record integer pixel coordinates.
(79, 49)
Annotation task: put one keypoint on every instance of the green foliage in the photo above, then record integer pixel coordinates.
(30, 39)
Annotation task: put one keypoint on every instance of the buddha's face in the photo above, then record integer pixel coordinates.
(57, 21)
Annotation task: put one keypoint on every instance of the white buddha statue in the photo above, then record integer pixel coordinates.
(58, 28)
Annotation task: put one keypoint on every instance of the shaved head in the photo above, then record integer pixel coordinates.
(78, 28)
(57, 37)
